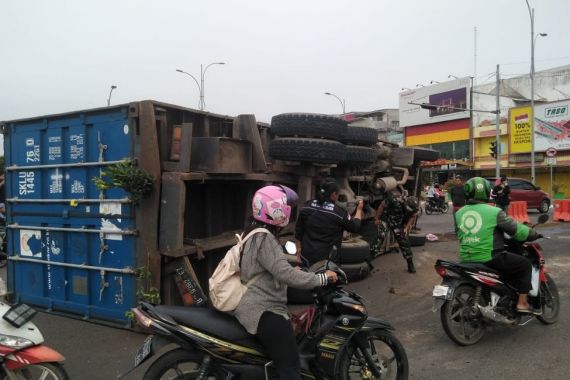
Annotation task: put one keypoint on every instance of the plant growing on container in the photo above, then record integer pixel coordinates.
(125, 175)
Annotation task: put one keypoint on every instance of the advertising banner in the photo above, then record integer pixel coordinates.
(447, 96)
(519, 122)
(551, 128)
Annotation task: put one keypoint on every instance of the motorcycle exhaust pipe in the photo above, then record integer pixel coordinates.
(488, 313)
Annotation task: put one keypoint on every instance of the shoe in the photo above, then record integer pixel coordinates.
(524, 311)
(411, 268)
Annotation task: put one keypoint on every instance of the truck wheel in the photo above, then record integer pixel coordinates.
(356, 272)
(354, 251)
(307, 150)
(361, 136)
(308, 125)
(360, 155)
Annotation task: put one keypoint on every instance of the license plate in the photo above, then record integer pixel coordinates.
(144, 351)
(441, 291)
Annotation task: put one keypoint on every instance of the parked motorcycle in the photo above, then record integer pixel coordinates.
(22, 352)
(341, 342)
(472, 296)
(434, 205)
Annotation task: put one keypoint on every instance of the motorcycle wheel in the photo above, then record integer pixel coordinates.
(387, 352)
(459, 326)
(550, 302)
(445, 208)
(179, 364)
(43, 371)
(428, 209)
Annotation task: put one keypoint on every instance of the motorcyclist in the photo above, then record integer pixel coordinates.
(263, 309)
(481, 235)
(321, 223)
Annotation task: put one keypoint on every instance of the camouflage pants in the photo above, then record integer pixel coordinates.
(377, 246)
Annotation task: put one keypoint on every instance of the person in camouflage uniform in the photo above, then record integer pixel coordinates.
(397, 211)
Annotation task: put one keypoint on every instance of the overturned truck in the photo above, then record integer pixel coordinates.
(106, 206)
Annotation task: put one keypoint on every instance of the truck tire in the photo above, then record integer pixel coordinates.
(308, 125)
(361, 136)
(357, 271)
(360, 155)
(307, 150)
(354, 251)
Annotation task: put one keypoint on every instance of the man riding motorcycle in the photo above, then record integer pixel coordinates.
(481, 229)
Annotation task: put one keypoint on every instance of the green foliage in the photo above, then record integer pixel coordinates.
(449, 184)
(126, 176)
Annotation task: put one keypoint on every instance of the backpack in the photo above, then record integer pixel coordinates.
(226, 288)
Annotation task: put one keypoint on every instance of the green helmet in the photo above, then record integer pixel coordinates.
(477, 188)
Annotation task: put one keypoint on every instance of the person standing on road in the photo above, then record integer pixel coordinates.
(263, 309)
(481, 235)
(321, 223)
(501, 194)
(457, 197)
(398, 212)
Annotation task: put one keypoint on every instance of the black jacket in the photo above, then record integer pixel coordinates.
(502, 195)
(320, 226)
(458, 195)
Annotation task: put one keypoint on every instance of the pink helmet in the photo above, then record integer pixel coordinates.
(272, 205)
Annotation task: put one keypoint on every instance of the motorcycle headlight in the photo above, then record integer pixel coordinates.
(14, 341)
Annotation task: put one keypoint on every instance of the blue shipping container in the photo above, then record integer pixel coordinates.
(72, 248)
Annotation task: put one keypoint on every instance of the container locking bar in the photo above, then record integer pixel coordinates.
(78, 266)
(84, 230)
(72, 165)
(78, 201)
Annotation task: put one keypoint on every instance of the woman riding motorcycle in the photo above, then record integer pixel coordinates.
(481, 229)
(263, 310)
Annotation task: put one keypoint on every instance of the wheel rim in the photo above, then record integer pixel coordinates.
(384, 357)
(462, 321)
(38, 371)
(544, 206)
(550, 303)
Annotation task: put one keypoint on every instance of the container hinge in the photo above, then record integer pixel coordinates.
(103, 285)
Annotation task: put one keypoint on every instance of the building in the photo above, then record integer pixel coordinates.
(386, 121)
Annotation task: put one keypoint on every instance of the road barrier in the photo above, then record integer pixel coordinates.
(562, 210)
(518, 212)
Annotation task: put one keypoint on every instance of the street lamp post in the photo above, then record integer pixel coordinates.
(110, 92)
(342, 102)
(202, 103)
(532, 43)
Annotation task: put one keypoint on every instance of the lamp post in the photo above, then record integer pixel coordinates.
(110, 92)
(433, 81)
(532, 43)
(452, 76)
(201, 104)
(342, 102)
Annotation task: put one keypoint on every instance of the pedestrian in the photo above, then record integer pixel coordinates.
(501, 194)
(457, 193)
(321, 223)
(263, 309)
(397, 211)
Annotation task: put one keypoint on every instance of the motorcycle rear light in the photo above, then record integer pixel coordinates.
(141, 318)
(441, 271)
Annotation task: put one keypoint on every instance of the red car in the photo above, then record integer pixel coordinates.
(524, 190)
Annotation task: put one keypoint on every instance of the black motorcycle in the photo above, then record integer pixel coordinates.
(341, 342)
(436, 205)
(472, 296)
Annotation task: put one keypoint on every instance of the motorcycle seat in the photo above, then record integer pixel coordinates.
(480, 268)
(213, 323)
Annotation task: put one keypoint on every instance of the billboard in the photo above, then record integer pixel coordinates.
(551, 128)
(447, 95)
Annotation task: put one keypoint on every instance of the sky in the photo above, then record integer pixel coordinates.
(281, 56)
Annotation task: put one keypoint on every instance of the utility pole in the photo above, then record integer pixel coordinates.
(498, 127)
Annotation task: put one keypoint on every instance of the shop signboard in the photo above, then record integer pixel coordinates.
(447, 96)
(520, 130)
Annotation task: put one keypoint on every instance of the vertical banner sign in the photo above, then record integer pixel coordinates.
(520, 133)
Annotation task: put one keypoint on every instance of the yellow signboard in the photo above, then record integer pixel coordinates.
(520, 133)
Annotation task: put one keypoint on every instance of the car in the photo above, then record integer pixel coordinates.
(524, 190)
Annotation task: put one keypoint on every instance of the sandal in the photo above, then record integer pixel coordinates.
(524, 311)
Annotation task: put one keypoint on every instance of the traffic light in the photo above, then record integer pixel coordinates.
(493, 149)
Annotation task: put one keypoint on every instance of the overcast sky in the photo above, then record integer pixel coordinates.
(281, 56)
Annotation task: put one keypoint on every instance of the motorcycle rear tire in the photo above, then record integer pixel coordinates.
(428, 209)
(451, 314)
(401, 370)
(445, 208)
(54, 371)
(172, 359)
(550, 301)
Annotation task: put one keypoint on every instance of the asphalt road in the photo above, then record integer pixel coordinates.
(96, 352)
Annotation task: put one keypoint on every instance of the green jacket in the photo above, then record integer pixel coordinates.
(481, 229)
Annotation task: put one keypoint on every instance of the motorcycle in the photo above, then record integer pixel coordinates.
(340, 341)
(472, 296)
(435, 205)
(22, 352)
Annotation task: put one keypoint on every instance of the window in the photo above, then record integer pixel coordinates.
(526, 186)
(515, 184)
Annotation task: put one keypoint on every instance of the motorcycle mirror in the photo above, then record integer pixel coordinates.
(543, 218)
(290, 248)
